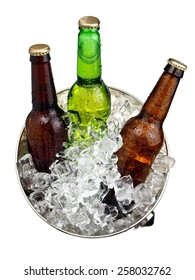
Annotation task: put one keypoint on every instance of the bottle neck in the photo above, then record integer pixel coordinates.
(43, 88)
(89, 56)
(156, 107)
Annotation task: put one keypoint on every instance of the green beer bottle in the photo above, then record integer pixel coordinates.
(89, 101)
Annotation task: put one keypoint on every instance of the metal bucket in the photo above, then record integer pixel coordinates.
(146, 220)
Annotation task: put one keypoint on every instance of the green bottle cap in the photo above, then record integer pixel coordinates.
(89, 22)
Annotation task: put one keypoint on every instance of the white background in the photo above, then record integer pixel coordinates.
(137, 39)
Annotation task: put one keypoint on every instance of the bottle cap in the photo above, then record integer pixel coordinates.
(39, 50)
(177, 64)
(89, 22)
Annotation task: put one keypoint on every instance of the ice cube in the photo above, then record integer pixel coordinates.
(77, 217)
(42, 180)
(61, 167)
(86, 165)
(143, 196)
(163, 163)
(124, 191)
(26, 171)
(38, 201)
(156, 181)
(113, 124)
(26, 166)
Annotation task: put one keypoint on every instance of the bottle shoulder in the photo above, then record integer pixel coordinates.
(140, 121)
(139, 131)
(83, 96)
(89, 86)
(36, 117)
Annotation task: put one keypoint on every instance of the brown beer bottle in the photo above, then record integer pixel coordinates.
(143, 134)
(46, 130)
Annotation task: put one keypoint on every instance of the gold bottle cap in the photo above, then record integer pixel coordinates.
(89, 22)
(39, 50)
(176, 63)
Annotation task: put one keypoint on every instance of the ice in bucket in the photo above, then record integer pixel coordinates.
(71, 197)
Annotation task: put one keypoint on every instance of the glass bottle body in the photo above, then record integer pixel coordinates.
(45, 135)
(143, 134)
(89, 104)
(141, 143)
(89, 101)
(46, 130)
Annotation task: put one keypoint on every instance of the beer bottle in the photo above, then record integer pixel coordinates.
(143, 135)
(45, 128)
(89, 101)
